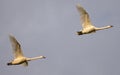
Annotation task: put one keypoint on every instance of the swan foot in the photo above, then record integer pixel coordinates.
(9, 64)
(79, 33)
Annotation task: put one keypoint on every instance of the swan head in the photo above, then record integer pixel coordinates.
(109, 26)
(43, 57)
(79, 33)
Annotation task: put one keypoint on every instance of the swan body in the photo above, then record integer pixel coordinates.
(87, 26)
(19, 58)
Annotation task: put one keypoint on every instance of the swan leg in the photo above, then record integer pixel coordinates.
(25, 63)
(79, 33)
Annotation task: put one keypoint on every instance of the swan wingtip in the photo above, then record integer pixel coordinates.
(78, 5)
(11, 35)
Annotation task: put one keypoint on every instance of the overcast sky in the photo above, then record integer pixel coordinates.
(48, 27)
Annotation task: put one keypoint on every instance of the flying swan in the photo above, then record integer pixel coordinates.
(87, 26)
(19, 58)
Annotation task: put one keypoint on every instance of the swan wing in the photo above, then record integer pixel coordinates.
(16, 47)
(84, 16)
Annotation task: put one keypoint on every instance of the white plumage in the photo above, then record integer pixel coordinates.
(19, 58)
(87, 26)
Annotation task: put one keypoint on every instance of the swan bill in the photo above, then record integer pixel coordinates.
(43, 57)
(111, 26)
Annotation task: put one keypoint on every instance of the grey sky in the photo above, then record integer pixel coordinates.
(48, 27)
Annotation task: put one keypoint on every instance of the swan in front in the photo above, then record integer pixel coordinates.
(87, 26)
(19, 58)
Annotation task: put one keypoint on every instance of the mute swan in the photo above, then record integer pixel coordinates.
(87, 26)
(18, 55)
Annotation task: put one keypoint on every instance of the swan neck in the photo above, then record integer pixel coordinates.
(35, 58)
(101, 28)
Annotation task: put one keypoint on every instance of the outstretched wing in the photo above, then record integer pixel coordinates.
(84, 16)
(16, 47)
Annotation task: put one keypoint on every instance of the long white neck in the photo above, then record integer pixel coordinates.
(101, 28)
(35, 58)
